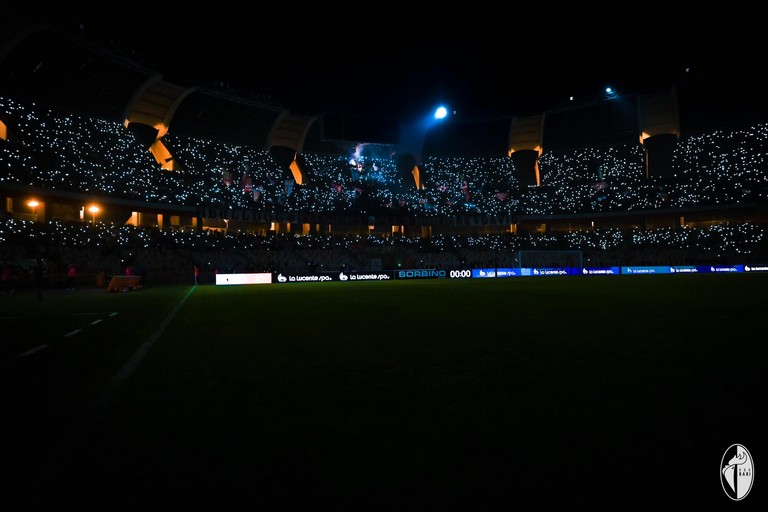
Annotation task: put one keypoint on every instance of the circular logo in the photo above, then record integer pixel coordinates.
(737, 472)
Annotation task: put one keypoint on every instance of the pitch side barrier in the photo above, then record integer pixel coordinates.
(480, 273)
(476, 273)
(328, 277)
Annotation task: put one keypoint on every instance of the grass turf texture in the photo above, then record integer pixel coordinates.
(406, 395)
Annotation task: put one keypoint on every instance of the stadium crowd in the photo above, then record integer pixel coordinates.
(165, 256)
(86, 155)
(54, 150)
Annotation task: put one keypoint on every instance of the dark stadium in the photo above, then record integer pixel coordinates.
(199, 216)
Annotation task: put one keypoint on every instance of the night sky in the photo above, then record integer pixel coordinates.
(390, 63)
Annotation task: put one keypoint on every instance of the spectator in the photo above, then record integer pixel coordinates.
(6, 279)
(38, 277)
(71, 276)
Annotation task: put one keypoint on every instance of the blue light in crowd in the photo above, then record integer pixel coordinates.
(441, 112)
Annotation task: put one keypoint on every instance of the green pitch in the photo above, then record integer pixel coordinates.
(405, 395)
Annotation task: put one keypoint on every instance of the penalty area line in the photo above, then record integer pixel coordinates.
(33, 350)
(99, 406)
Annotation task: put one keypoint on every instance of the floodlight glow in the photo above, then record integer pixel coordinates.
(94, 209)
(441, 112)
(33, 203)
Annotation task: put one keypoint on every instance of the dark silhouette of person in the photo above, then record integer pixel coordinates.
(38, 277)
(6, 278)
(71, 276)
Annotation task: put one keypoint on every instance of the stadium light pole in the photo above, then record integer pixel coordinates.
(32, 203)
(93, 209)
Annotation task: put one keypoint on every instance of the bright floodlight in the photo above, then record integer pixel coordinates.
(94, 209)
(441, 112)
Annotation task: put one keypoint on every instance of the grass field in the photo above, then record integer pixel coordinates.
(405, 395)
